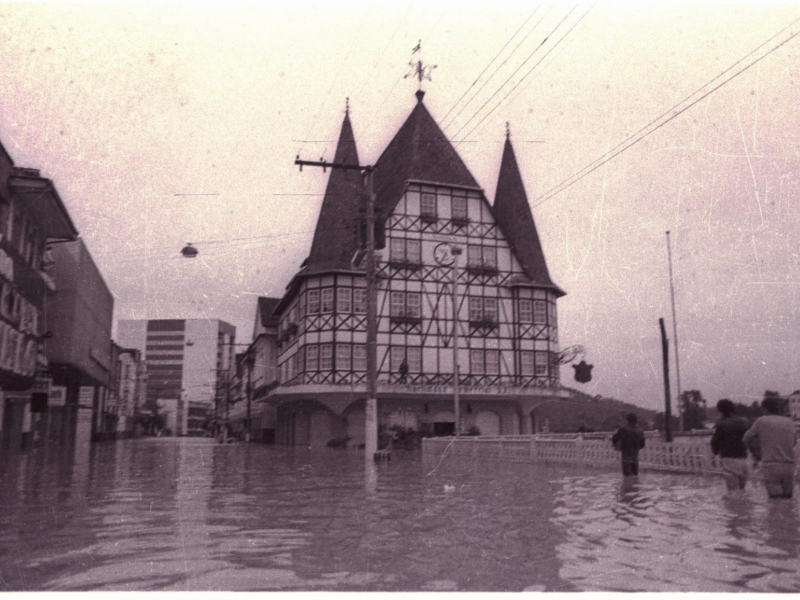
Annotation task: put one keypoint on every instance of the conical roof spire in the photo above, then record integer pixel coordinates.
(336, 236)
(513, 214)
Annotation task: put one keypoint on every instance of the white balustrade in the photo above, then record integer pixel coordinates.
(685, 454)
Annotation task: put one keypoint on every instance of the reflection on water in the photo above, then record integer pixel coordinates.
(676, 533)
(186, 514)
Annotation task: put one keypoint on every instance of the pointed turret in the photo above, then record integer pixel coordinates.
(418, 152)
(336, 237)
(513, 214)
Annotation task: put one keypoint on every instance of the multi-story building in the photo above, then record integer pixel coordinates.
(31, 214)
(78, 317)
(505, 302)
(256, 374)
(187, 364)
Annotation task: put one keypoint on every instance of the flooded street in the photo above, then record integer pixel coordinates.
(187, 514)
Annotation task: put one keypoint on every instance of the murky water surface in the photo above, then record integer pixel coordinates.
(186, 514)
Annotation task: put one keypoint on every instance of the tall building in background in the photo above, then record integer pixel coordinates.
(187, 364)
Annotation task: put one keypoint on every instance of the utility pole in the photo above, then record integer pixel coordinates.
(667, 403)
(248, 392)
(371, 411)
(675, 336)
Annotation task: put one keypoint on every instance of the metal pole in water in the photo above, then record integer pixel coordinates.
(456, 252)
(675, 335)
(667, 404)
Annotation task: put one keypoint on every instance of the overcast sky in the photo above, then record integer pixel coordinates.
(173, 123)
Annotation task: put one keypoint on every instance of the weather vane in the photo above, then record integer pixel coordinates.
(419, 70)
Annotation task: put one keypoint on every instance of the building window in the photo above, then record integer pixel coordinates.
(405, 251)
(476, 362)
(475, 309)
(428, 204)
(344, 300)
(312, 358)
(482, 310)
(360, 357)
(360, 301)
(526, 363)
(525, 310)
(539, 312)
(342, 357)
(482, 257)
(313, 302)
(458, 208)
(405, 304)
(397, 249)
(413, 305)
(541, 363)
(474, 256)
(492, 363)
(397, 355)
(490, 309)
(325, 357)
(490, 257)
(300, 362)
(397, 304)
(327, 300)
(414, 251)
(414, 358)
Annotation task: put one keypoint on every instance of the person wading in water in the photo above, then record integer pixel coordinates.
(629, 440)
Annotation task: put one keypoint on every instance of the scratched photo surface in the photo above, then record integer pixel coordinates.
(658, 146)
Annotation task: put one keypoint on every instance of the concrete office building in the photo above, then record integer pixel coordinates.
(187, 364)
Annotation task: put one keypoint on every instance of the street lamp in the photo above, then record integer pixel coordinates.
(189, 251)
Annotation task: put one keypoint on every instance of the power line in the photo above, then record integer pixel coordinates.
(490, 64)
(544, 41)
(624, 145)
(487, 115)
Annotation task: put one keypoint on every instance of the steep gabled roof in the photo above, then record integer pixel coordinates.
(336, 237)
(513, 215)
(418, 152)
(266, 306)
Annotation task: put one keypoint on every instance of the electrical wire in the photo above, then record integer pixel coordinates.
(496, 56)
(542, 43)
(624, 145)
(487, 115)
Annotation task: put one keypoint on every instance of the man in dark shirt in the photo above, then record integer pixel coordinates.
(629, 440)
(726, 442)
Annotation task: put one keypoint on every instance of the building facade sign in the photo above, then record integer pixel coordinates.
(57, 395)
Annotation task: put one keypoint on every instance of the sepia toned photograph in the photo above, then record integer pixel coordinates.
(419, 297)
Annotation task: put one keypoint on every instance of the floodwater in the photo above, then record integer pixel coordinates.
(187, 514)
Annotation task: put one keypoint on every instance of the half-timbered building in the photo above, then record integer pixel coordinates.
(506, 314)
